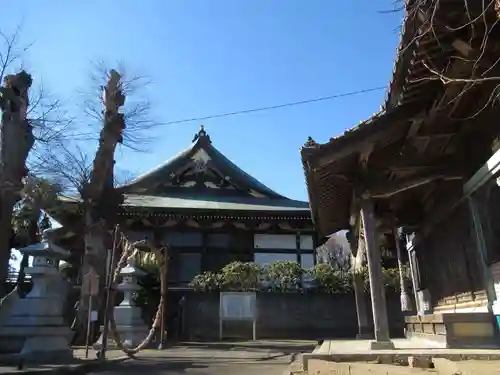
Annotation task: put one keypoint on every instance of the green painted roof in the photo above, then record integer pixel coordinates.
(224, 187)
(144, 183)
(221, 203)
(208, 203)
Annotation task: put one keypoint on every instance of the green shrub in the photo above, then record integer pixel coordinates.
(240, 276)
(206, 282)
(390, 278)
(330, 280)
(284, 275)
(287, 276)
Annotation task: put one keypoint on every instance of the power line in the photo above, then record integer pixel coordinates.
(260, 109)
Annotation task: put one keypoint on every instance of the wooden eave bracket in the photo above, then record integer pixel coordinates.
(390, 188)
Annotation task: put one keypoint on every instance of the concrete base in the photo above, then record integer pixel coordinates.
(130, 336)
(360, 351)
(130, 326)
(26, 339)
(381, 345)
(364, 336)
(53, 347)
(454, 330)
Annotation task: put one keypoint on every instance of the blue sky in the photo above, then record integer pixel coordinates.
(208, 57)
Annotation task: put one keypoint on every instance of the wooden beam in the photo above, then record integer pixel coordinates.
(419, 168)
(390, 188)
(364, 155)
(463, 47)
(414, 128)
(392, 163)
(437, 135)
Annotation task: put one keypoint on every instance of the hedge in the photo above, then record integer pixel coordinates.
(288, 276)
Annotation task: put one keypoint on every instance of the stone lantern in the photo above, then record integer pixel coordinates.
(35, 325)
(127, 314)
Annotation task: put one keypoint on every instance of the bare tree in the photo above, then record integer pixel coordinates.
(50, 121)
(335, 252)
(31, 121)
(94, 179)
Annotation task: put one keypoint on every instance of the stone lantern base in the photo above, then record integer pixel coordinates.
(130, 326)
(35, 327)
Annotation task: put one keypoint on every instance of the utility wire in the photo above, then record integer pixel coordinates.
(260, 109)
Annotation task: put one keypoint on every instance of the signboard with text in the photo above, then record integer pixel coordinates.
(237, 306)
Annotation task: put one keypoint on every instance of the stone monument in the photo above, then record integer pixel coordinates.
(127, 314)
(35, 325)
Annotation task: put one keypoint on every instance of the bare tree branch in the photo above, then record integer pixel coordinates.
(123, 177)
(69, 168)
(335, 253)
(137, 109)
(471, 41)
(11, 51)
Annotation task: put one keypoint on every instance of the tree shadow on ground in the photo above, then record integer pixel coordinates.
(152, 366)
(282, 347)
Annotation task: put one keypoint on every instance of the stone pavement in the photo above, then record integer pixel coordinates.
(245, 358)
(242, 358)
(9, 364)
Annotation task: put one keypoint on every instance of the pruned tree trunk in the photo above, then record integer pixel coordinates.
(16, 141)
(100, 199)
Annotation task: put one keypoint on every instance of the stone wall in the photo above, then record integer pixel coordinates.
(284, 316)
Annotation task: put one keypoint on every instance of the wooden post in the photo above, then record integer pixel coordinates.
(361, 308)
(406, 304)
(164, 288)
(381, 326)
(89, 325)
(357, 251)
(90, 289)
(413, 271)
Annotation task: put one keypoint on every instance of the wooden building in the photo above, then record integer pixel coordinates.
(210, 213)
(427, 163)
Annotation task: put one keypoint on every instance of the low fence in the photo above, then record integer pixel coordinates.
(308, 316)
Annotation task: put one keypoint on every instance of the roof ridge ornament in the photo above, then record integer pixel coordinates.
(311, 143)
(202, 135)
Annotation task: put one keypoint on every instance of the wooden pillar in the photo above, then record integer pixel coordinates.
(357, 252)
(414, 274)
(381, 326)
(364, 331)
(297, 248)
(406, 304)
(482, 252)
